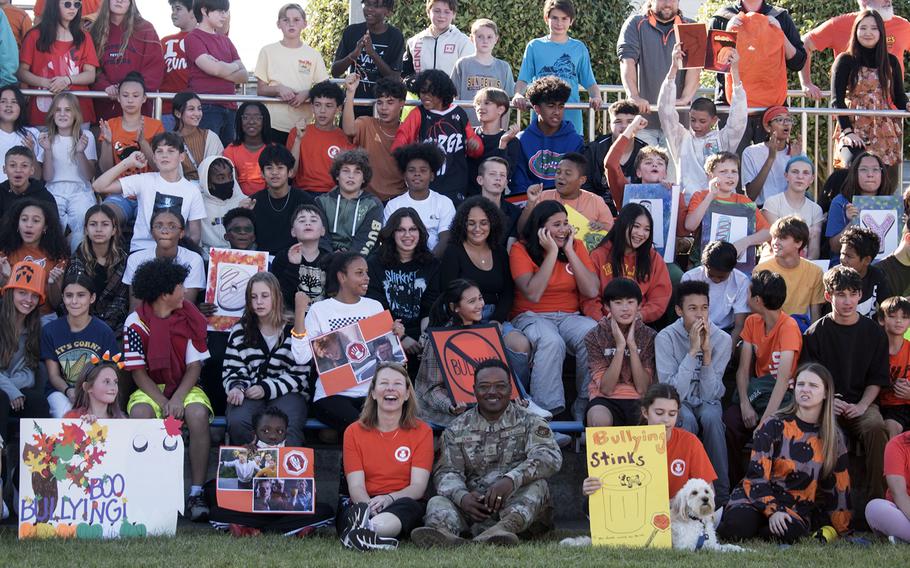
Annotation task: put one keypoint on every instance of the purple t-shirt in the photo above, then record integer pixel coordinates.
(198, 43)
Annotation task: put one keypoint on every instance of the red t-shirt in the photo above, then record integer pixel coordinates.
(198, 43)
(686, 459)
(317, 150)
(246, 164)
(900, 369)
(897, 460)
(784, 336)
(176, 73)
(386, 458)
(835, 35)
(61, 60)
(561, 294)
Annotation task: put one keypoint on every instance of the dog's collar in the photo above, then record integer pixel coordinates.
(703, 537)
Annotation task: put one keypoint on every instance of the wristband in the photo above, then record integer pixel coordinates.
(67, 389)
(296, 335)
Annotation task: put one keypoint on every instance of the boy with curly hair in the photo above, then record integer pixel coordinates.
(355, 216)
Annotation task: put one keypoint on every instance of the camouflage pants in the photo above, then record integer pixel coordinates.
(531, 502)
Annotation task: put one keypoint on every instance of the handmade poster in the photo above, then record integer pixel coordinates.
(632, 508)
(730, 222)
(108, 479)
(348, 356)
(229, 271)
(266, 480)
(663, 204)
(711, 49)
(882, 214)
(460, 350)
(583, 231)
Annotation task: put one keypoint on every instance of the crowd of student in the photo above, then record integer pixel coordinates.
(109, 214)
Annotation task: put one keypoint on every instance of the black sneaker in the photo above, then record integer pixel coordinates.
(367, 539)
(356, 517)
(196, 509)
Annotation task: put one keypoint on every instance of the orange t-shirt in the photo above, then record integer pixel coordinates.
(561, 294)
(125, 142)
(18, 21)
(763, 67)
(386, 458)
(35, 254)
(686, 459)
(784, 336)
(317, 149)
(900, 369)
(387, 182)
(699, 196)
(591, 205)
(246, 164)
(835, 35)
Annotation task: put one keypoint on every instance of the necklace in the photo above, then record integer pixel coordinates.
(385, 133)
(287, 199)
(395, 435)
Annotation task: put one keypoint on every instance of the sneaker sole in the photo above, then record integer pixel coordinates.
(499, 540)
(366, 540)
(427, 537)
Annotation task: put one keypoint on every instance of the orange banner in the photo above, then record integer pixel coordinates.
(460, 350)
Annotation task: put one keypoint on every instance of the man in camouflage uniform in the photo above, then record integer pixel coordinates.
(491, 477)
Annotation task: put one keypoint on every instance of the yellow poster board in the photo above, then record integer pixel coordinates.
(582, 230)
(632, 508)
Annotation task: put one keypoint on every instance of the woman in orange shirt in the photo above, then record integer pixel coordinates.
(553, 274)
(388, 455)
(627, 252)
(686, 456)
(253, 126)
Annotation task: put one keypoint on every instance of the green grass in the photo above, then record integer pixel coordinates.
(197, 547)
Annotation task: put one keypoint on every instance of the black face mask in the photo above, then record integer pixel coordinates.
(222, 190)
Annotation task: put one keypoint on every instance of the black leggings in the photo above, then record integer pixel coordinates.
(337, 411)
(35, 407)
(745, 522)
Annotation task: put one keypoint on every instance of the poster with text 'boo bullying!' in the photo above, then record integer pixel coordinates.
(632, 507)
(109, 479)
(229, 272)
(266, 480)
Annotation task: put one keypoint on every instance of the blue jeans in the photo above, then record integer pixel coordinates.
(708, 418)
(219, 120)
(169, 121)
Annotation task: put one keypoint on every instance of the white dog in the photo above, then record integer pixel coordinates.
(692, 518)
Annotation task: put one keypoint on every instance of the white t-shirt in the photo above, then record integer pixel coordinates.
(151, 189)
(810, 212)
(753, 158)
(186, 257)
(725, 299)
(328, 315)
(436, 212)
(10, 139)
(65, 168)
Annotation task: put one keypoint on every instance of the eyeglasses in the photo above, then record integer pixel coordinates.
(869, 171)
(783, 120)
(75, 5)
(241, 230)
(169, 227)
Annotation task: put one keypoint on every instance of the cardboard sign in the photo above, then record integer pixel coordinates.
(883, 214)
(663, 204)
(711, 49)
(109, 479)
(632, 508)
(267, 480)
(460, 350)
(730, 222)
(229, 272)
(348, 356)
(583, 231)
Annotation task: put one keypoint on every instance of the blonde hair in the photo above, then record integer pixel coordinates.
(828, 432)
(484, 23)
(249, 321)
(369, 416)
(101, 29)
(287, 7)
(53, 131)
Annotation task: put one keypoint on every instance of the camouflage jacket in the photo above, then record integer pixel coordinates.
(476, 453)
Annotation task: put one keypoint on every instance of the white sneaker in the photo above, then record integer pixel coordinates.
(538, 411)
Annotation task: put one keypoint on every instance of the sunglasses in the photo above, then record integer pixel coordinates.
(69, 4)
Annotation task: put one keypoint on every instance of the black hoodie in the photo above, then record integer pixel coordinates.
(36, 190)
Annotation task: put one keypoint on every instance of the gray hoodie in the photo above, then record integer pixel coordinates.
(17, 376)
(675, 367)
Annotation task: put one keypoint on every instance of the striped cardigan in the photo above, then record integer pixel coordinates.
(247, 364)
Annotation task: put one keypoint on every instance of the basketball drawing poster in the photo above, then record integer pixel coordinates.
(460, 350)
(266, 480)
(348, 356)
(882, 214)
(229, 272)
